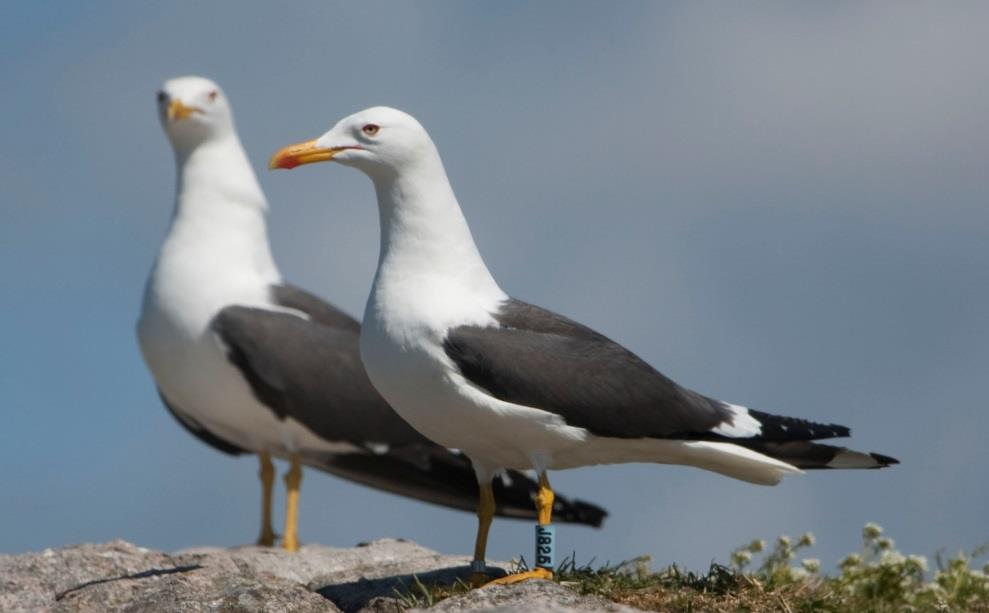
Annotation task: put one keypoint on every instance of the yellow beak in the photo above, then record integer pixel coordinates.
(302, 153)
(177, 110)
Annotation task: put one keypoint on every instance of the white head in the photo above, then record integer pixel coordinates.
(193, 110)
(380, 141)
(425, 241)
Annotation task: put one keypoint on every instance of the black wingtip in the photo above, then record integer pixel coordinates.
(884, 460)
(782, 428)
(579, 512)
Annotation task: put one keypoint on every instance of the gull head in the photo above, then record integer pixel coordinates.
(379, 141)
(193, 110)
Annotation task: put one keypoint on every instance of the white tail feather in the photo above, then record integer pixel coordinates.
(738, 462)
(724, 458)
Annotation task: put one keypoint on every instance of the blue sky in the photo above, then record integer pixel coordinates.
(778, 204)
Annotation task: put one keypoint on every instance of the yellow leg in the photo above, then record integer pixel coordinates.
(485, 513)
(544, 505)
(293, 479)
(267, 474)
(544, 501)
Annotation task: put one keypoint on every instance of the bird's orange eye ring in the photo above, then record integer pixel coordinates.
(371, 129)
(212, 95)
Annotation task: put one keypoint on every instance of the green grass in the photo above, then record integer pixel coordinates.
(420, 595)
(876, 579)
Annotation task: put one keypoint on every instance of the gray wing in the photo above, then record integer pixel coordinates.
(311, 372)
(540, 359)
(318, 310)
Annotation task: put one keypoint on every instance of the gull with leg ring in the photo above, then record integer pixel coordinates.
(513, 385)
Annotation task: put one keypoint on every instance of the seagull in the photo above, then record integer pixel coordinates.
(514, 385)
(248, 363)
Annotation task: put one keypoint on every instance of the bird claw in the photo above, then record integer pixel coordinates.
(537, 573)
(267, 539)
(290, 544)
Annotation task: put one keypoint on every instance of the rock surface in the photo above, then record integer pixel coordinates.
(542, 596)
(120, 576)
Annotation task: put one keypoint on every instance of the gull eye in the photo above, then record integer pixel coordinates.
(371, 129)
(212, 95)
(161, 96)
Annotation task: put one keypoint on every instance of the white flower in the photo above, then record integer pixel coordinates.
(812, 565)
(932, 588)
(741, 557)
(784, 541)
(852, 559)
(918, 562)
(872, 531)
(885, 543)
(757, 545)
(891, 558)
(806, 540)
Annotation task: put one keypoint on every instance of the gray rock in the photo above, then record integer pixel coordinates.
(119, 576)
(122, 577)
(543, 596)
